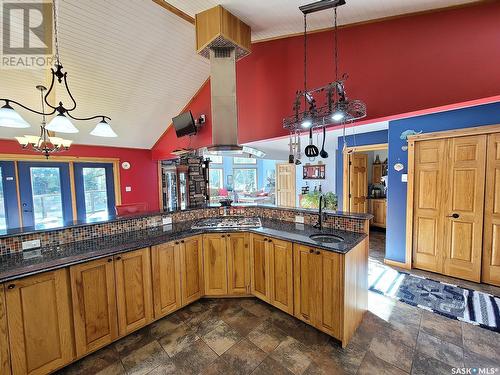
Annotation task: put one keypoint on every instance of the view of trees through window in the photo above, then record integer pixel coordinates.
(96, 197)
(245, 179)
(47, 198)
(216, 180)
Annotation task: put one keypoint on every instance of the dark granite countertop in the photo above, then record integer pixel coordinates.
(15, 266)
(12, 232)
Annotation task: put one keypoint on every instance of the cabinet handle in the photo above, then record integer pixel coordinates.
(311, 251)
(118, 257)
(265, 239)
(110, 260)
(176, 242)
(182, 241)
(270, 241)
(11, 286)
(229, 235)
(318, 252)
(223, 236)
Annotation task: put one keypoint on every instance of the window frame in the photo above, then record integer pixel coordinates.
(253, 162)
(221, 177)
(246, 168)
(16, 219)
(25, 190)
(80, 188)
(11, 202)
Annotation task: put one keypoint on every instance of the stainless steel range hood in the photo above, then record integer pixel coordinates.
(223, 39)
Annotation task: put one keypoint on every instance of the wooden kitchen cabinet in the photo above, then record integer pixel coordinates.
(133, 290)
(4, 336)
(39, 323)
(166, 264)
(191, 269)
(330, 289)
(378, 208)
(215, 264)
(260, 268)
(238, 264)
(281, 265)
(271, 266)
(94, 304)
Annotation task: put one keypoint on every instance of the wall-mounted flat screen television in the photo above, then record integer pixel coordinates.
(184, 124)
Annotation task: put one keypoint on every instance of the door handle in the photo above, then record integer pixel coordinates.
(454, 215)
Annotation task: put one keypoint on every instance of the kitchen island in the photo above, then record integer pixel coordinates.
(95, 291)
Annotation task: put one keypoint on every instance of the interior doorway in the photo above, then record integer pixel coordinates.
(365, 185)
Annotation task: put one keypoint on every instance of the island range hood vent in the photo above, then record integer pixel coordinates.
(224, 39)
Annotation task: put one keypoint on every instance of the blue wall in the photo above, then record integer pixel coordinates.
(488, 114)
(361, 139)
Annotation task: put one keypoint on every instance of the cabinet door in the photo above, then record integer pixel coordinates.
(166, 278)
(133, 290)
(464, 198)
(307, 293)
(378, 212)
(259, 268)
(281, 261)
(491, 246)
(94, 304)
(39, 321)
(215, 260)
(191, 269)
(329, 305)
(4, 336)
(238, 264)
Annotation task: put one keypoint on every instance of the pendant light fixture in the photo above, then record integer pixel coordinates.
(44, 143)
(336, 108)
(61, 122)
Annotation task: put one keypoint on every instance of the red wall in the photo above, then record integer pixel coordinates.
(142, 176)
(396, 66)
(168, 142)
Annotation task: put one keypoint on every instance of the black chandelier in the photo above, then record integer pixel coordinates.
(61, 122)
(336, 108)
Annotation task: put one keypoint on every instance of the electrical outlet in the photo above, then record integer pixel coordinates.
(26, 245)
(299, 219)
(166, 220)
(128, 188)
(404, 177)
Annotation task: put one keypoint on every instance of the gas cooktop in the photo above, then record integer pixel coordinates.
(228, 222)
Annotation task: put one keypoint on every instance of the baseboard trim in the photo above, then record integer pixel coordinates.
(394, 263)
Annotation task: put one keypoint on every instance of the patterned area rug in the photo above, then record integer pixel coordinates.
(449, 300)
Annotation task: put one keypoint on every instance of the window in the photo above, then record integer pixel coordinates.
(237, 160)
(49, 198)
(94, 191)
(216, 179)
(215, 159)
(245, 179)
(45, 194)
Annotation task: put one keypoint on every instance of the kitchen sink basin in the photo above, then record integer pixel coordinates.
(326, 238)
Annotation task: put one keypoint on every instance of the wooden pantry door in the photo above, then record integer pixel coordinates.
(358, 182)
(285, 185)
(428, 220)
(463, 207)
(491, 245)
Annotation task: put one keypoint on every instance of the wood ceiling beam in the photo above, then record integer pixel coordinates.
(174, 10)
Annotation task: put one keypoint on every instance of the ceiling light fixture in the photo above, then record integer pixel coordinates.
(45, 143)
(61, 122)
(337, 108)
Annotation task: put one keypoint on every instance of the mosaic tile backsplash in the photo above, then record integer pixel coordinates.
(56, 237)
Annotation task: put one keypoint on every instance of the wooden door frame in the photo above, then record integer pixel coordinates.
(479, 130)
(345, 160)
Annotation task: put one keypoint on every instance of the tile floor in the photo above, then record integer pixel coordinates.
(247, 336)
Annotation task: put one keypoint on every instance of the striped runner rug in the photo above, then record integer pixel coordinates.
(449, 300)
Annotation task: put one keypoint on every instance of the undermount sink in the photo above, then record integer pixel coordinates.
(326, 238)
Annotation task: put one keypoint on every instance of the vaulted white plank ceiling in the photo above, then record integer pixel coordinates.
(136, 62)
(273, 18)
